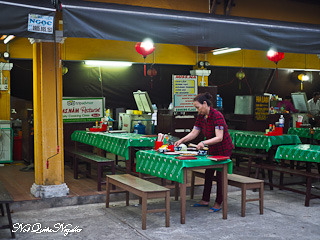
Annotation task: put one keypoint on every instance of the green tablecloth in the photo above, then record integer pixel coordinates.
(117, 143)
(166, 166)
(305, 132)
(302, 152)
(257, 140)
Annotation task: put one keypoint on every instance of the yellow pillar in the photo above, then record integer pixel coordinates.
(5, 106)
(48, 127)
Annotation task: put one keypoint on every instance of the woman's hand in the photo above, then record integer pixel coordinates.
(177, 143)
(200, 145)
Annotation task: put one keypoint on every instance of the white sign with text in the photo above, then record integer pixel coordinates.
(40, 23)
(82, 109)
(184, 89)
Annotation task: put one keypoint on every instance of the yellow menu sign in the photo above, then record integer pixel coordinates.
(261, 108)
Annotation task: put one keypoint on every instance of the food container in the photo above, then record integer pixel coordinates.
(177, 148)
(162, 150)
(157, 145)
(102, 129)
(171, 148)
(137, 112)
(129, 111)
(202, 152)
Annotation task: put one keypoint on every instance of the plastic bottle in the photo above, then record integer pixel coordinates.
(219, 101)
(139, 128)
(281, 121)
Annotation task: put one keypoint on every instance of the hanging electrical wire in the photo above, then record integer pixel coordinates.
(56, 83)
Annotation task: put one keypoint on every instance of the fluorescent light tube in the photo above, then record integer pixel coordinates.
(9, 38)
(108, 63)
(224, 50)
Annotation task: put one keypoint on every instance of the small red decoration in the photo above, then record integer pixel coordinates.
(144, 52)
(151, 73)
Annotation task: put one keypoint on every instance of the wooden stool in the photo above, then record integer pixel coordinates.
(245, 183)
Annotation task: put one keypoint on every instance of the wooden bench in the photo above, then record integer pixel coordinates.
(142, 188)
(90, 158)
(284, 170)
(237, 154)
(245, 183)
(6, 199)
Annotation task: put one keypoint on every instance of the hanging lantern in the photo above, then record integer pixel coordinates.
(151, 73)
(64, 70)
(303, 77)
(144, 48)
(240, 75)
(275, 56)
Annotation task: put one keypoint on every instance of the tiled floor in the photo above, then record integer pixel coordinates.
(18, 183)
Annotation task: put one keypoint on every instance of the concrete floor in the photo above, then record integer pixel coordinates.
(285, 217)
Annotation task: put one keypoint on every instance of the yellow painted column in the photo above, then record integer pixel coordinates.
(48, 126)
(5, 105)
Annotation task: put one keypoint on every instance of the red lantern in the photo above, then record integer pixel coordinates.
(141, 49)
(151, 73)
(275, 56)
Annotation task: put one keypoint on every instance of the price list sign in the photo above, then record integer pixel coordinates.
(184, 89)
(261, 108)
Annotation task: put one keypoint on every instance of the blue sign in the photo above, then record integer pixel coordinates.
(40, 23)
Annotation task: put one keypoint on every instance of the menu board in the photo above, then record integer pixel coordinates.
(261, 108)
(184, 90)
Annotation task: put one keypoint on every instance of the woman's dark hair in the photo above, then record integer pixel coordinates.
(201, 97)
(288, 97)
(316, 94)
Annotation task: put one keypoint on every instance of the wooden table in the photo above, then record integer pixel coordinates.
(306, 133)
(258, 140)
(120, 144)
(166, 166)
(301, 153)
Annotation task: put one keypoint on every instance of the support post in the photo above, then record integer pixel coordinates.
(48, 125)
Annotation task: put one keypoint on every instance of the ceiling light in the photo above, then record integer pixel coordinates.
(6, 55)
(108, 63)
(147, 44)
(271, 53)
(9, 38)
(225, 50)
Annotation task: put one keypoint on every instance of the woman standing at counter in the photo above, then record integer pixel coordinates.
(213, 126)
